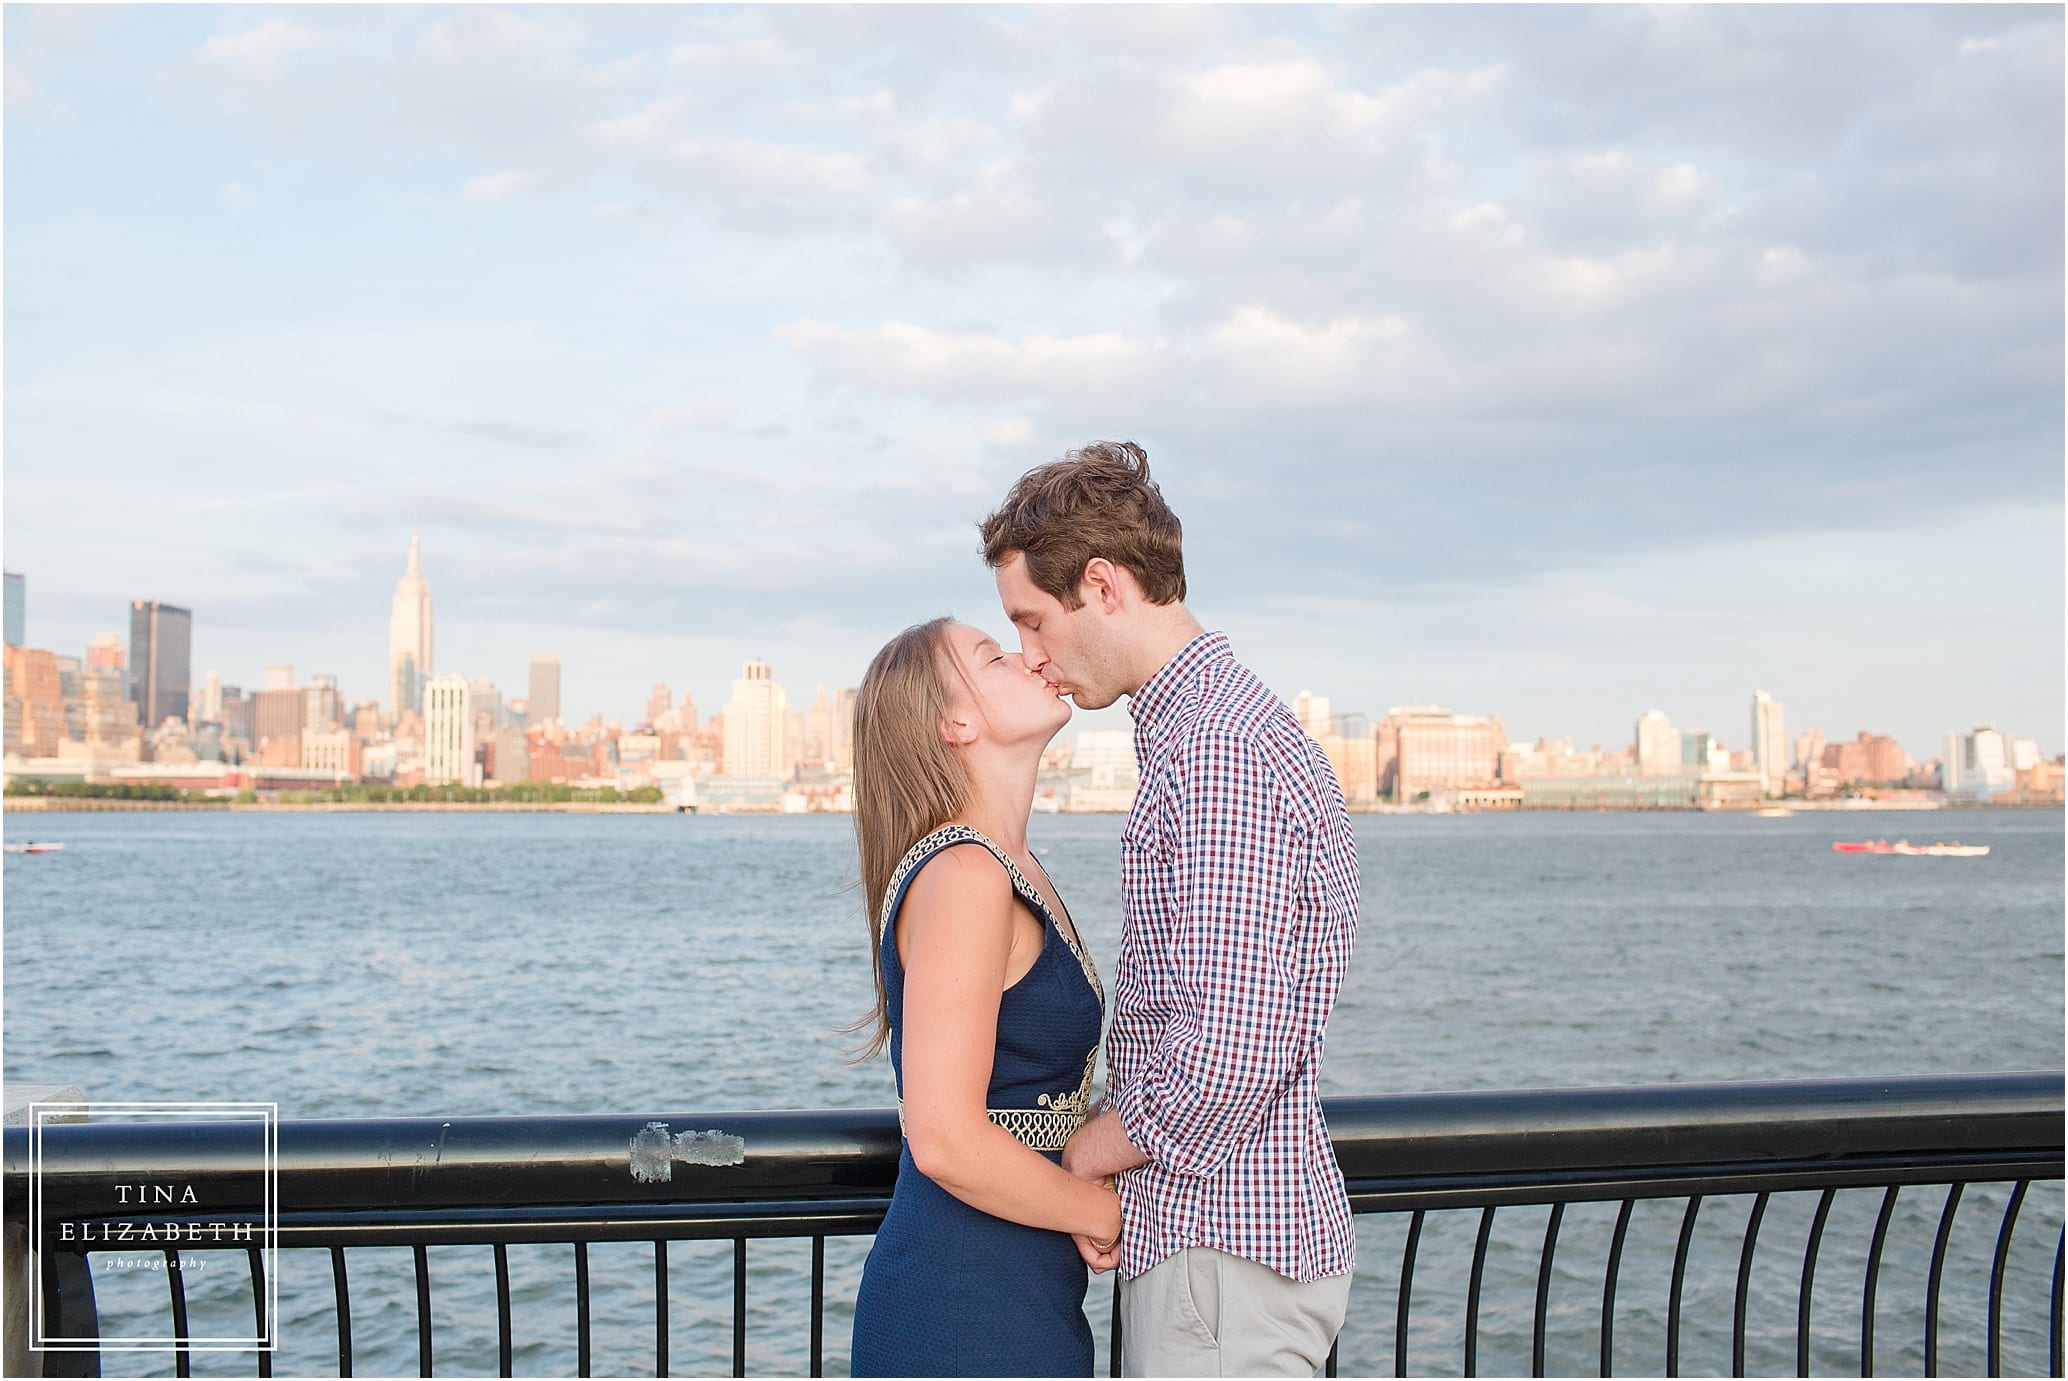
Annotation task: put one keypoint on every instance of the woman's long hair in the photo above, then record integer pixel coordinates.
(908, 780)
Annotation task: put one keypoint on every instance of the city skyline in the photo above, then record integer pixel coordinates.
(1532, 363)
(1655, 739)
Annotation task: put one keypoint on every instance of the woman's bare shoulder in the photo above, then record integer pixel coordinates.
(962, 874)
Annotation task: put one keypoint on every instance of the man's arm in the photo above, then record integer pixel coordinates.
(1100, 1149)
(1240, 1026)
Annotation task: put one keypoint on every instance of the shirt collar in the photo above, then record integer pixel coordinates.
(1162, 690)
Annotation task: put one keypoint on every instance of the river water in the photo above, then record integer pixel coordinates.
(358, 965)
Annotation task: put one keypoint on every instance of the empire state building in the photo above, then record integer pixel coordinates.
(409, 635)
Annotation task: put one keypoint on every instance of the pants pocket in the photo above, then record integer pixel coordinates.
(1199, 1281)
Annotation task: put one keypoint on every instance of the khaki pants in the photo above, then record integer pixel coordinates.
(1202, 1312)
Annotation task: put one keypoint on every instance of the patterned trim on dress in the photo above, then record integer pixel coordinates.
(1043, 1129)
(1047, 1126)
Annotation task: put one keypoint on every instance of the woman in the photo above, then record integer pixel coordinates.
(991, 1011)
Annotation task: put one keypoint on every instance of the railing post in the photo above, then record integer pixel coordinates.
(20, 1253)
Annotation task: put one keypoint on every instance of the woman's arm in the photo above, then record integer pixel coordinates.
(954, 936)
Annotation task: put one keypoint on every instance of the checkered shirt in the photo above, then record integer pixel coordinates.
(1239, 881)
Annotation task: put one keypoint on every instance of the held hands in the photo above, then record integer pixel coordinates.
(1101, 1255)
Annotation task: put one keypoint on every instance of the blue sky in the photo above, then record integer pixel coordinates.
(1560, 363)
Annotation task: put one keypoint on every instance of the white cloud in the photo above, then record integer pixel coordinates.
(753, 55)
(651, 125)
(1011, 434)
(260, 52)
(1266, 356)
(781, 169)
(933, 143)
(900, 357)
(497, 186)
(998, 216)
(696, 415)
(236, 196)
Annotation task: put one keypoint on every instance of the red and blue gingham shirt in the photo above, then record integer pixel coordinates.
(1239, 880)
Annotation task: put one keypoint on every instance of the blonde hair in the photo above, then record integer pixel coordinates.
(908, 780)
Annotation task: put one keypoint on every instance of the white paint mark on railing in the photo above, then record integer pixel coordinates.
(654, 1151)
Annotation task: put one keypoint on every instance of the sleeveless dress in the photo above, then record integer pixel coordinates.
(949, 1290)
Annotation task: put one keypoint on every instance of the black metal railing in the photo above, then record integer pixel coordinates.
(424, 1183)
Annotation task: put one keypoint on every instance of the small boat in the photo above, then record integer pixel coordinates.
(1908, 850)
(32, 847)
(1773, 812)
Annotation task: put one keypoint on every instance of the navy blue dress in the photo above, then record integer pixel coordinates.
(949, 1290)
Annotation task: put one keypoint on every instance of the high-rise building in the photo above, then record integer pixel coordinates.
(1769, 741)
(659, 703)
(754, 725)
(544, 701)
(280, 678)
(449, 732)
(409, 634)
(278, 717)
(686, 715)
(1658, 745)
(368, 724)
(1979, 764)
(161, 645)
(818, 730)
(1809, 747)
(1311, 711)
(325, 707)
(35, 700)
(108, 724)
(484, 708)
(209, 710)
(236, 714)
(1421, 748)
(843, 729)
(104, 653)
(17, 608)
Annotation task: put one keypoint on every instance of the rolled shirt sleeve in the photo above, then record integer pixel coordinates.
(1237, 1030)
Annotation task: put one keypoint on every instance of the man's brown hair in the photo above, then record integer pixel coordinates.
(1095, 501)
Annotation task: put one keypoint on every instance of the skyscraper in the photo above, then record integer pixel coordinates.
(17, 608)
(1769, 741)
(210, 710)
(409, 634)
(843, 729)
(544, 701)
(104, 653)
(161, 646)
(1312, 711)
(1658, 745)
(449, 732)
(754, 725)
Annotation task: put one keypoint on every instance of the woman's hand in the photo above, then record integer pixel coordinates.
(1102, 1254)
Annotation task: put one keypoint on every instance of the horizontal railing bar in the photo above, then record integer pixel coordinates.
(1677, 1182)
(1530, 1145)
(1515, 1131)
(406, 1225)
(527, 1224)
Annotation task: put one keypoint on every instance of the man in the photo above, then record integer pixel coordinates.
(1239, 881)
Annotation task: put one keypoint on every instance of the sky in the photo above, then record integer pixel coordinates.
(1559, 363)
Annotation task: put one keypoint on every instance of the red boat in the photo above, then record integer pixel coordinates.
(1903, 846)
